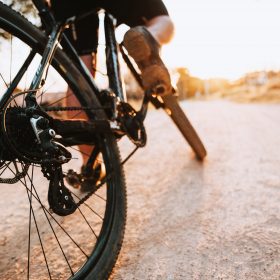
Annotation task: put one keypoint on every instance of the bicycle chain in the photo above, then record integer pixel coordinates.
(57, 108)
(17, 177)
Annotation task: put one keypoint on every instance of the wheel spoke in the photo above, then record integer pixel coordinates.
(59, 100)
(5, 168)
(36, 196)
(85, 153)
(29, 228)
(100, 197)
(41, 95)
(79, 199)
(2, 78)
(51, 226)
(87, 222)
(11, 58)
(29, 195)
(76, 115)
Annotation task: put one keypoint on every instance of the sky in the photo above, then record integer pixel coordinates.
(222, 38)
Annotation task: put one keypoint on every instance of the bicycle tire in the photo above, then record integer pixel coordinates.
(173, 109)
(105, 250)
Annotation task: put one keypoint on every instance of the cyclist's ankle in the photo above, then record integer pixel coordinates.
(161, 28)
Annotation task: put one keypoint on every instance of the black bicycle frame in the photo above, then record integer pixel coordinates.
(56, 34)
(55, 31)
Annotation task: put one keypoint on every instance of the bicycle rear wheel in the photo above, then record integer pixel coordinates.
(36, 243)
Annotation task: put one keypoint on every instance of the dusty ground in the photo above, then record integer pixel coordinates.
(216, 220)
(187, 220)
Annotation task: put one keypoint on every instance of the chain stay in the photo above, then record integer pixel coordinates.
(92, 192)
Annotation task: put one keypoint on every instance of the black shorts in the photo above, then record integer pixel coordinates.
(84, 33)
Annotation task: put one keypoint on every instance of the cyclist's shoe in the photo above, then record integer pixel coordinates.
(86, 180)
(144, 49)
(92, 178)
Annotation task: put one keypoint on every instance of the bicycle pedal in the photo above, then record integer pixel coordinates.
(93, 178)
(161, 90)
(73, 179)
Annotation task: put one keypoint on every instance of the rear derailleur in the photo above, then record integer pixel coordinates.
(27, 136)
(60, 198)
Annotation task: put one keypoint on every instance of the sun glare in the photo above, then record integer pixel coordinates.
(221, 38)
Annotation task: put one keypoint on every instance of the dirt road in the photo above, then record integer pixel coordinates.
(187, 220)
(216, 220)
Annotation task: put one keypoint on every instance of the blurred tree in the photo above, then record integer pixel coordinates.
(188, 86)
(183, 82)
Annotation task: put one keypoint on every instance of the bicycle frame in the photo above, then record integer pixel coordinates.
(56, 36)
(123, 119)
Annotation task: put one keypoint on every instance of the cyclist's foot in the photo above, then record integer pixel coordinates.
(86, 180)
(144, 49)
(92, 177)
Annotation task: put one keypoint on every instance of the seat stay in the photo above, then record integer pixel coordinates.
(56, 31)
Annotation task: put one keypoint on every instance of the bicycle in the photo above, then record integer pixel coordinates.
(39, 151)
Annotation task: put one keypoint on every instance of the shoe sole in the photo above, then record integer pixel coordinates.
(155, 76)
(132, 40)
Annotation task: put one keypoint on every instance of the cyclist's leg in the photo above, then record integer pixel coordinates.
(83, 34)
(90, 62)
(161, 27)
(71, 100)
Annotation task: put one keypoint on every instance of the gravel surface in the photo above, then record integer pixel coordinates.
(216, 220)
(188, 220)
